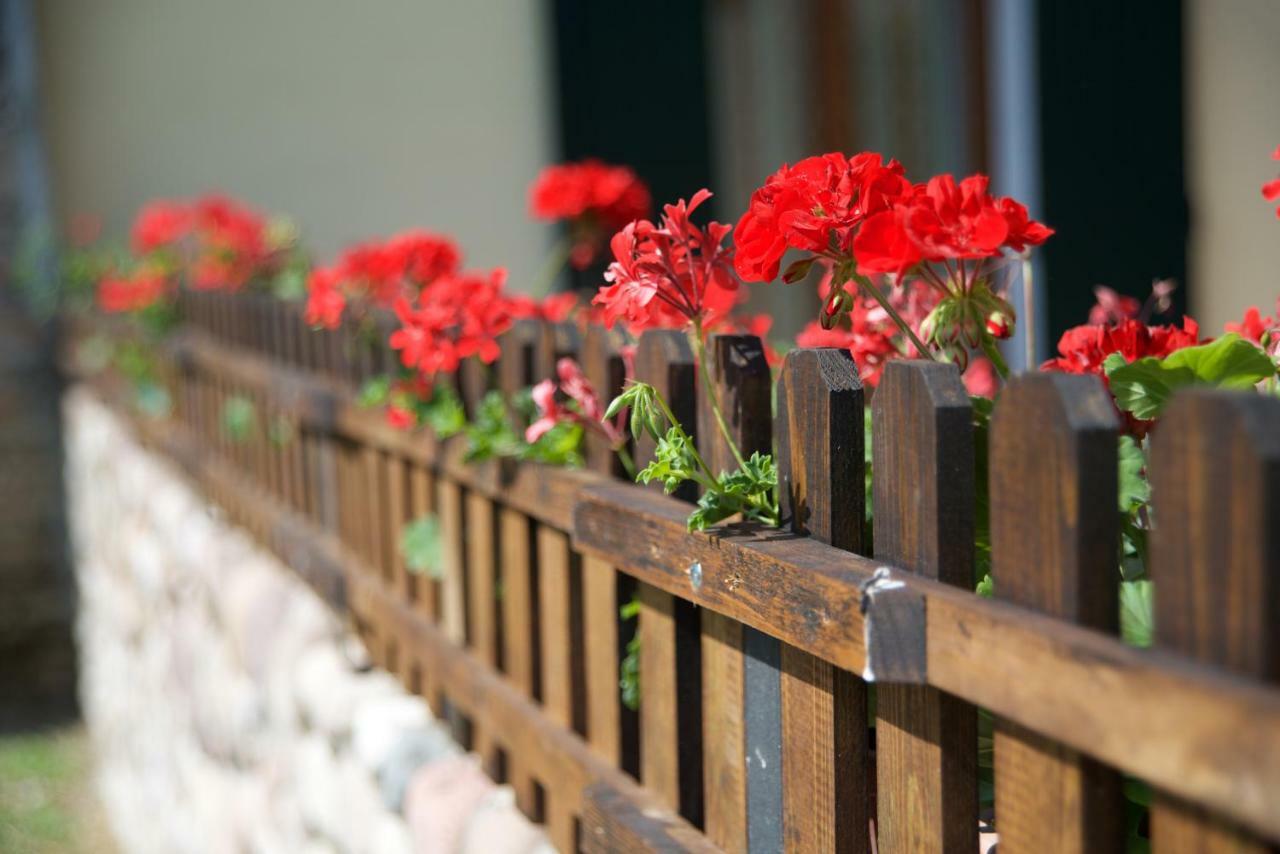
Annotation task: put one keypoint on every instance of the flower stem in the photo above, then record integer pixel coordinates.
(551, 269)
(867, 285)
(693, 448)
(700, 353)
(624, 457)
(992, 350)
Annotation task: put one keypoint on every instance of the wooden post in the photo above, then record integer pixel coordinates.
(670, 646)
(825, 751)
(1215, 558)
(742, 387)
(1054, 549)
(926, 741)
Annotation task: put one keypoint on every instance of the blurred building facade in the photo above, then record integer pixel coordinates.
(1141, 131)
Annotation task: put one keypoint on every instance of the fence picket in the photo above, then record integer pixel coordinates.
(1215, 476)
(825, 751)
(670, 649)
(611, 728)
(923, 505)
(742, 386)
(1054, 549)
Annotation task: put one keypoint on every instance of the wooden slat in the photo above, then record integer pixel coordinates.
(519, 631)
(611, 728)
(926, 741)
(1215, 555)
(563, 680)
(742, 386)
(374, 521)
(482, 605)
(1054, 549)
(416, 587)
(670, 649)
(825, 751)
(453, 605)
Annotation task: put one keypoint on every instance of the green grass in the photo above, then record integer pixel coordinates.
(46, 794)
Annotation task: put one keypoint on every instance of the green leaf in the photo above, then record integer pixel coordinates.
(444, 413)
(1144, 386)
(375, 392)
(238, 418)
(420, 546)
(1133, 486)
(986, 587)
(797, 270)
(1137, 617)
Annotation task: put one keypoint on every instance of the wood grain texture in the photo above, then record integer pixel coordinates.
(670, 646)
(601, 360)
(521, 640)
(601, 661)
(613, 821)
(560, 606)
(742, 386)
(926, 741)
(1053, 470)
(1215, 555)
(826, 764)
(482, 580)
(453, 580)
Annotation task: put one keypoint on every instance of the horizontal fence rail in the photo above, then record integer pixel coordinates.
(817, 687)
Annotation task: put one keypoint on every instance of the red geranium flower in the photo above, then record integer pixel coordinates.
(456, 316)
(814, 206)
(136, 292)
(595, 198)
(1083, 349)
(160, 224)
(378, 273)
(1255, 327)
(585, 409)
(670, 275)
(400, 418)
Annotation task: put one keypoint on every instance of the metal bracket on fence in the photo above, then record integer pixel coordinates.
(893, 630)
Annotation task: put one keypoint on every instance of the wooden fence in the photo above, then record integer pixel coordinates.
(760, 647)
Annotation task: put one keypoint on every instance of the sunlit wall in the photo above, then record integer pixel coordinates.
(359, 118)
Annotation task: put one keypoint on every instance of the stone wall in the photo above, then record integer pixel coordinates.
(230, 709)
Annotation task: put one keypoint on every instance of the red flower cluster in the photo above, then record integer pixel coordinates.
(869, 333)
(1258, 329)
(941, 221)
(584, 406)
(160, 224)
(222, 243)
(814, 206)
(670, 275)
(139, 291)
(1271, 189)
(455, 316)
(378, 273)
(595, 198)
(1082, 350)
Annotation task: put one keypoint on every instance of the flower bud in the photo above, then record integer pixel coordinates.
(999, 325)
(836, 306)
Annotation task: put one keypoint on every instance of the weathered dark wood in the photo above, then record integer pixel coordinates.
(603, 366)
(555, 341)
(1215, 556)
(926, 741)
(825, 751)
(453, 604)
(741, 385)
(613, 821)
(1053, 470)
(514, 369)
(670, 649)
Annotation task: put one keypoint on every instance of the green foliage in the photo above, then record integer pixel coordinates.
(1144, 386)
(420, 546)
(238, 418)
(749, 490)
(491, 433)
(1137, 612)
(982, 409)
(629, 668)
(443, 413)
(375, 392)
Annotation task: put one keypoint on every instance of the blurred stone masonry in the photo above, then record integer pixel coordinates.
(230, 710)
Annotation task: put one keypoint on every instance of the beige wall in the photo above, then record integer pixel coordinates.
(1233, 125)
(357, 118)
